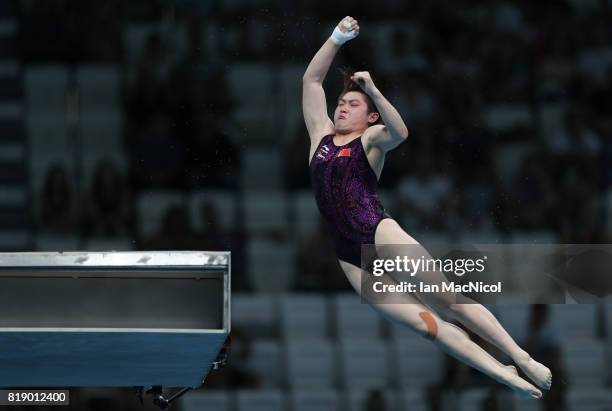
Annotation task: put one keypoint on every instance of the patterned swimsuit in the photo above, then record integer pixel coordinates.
(345, 185)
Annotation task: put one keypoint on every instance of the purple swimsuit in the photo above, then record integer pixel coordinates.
(344, 185)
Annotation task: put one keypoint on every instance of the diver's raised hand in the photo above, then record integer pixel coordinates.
(347, 29)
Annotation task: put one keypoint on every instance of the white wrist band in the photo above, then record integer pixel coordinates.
(339, 37)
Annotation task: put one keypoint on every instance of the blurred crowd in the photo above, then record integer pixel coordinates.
(507, 103)
(541, 342)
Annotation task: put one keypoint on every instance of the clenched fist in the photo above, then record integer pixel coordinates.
(364, 80)
(347, 29)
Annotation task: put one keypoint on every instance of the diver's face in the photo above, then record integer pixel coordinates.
(351, 113)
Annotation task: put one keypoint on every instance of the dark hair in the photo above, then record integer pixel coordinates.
(350, 85)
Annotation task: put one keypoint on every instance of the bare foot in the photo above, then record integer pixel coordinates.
(523, 388)
(539, 373)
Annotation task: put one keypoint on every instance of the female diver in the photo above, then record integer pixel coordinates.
(346, 160)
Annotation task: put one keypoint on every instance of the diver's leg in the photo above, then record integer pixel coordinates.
(473, 315)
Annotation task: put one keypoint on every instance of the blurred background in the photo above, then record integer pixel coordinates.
(176, 125)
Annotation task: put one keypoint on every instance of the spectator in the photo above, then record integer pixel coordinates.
(479, 195)
(580, 201)
(57, 211)
(595, 58)
(148, 96)
(424, 195)
(212, 158)
(375, 401)
(296, 159)
(95, 18)
(576, 138)
(175, 233)
(214, 237)
(110, 212)
(491, 402)
(157, 159)
(318, 268)
(535, 196)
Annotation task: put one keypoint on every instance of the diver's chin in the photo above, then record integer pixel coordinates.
(341, 129)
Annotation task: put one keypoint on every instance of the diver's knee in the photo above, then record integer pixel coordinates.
(457, 309)
(450, 311)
